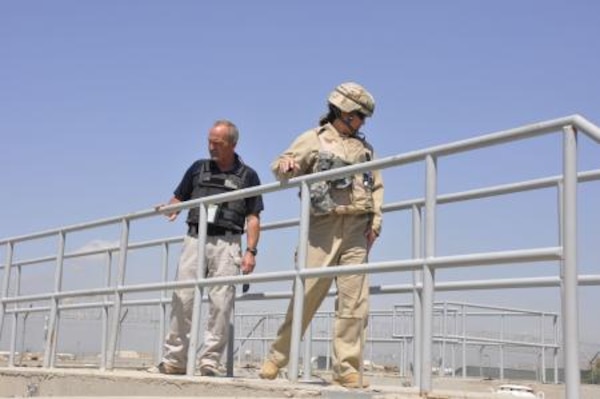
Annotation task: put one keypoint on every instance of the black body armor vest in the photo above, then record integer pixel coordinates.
(230, 215)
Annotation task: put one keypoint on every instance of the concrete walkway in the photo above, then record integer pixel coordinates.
(87, 383)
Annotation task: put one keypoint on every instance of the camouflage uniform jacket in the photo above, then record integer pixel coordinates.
(363, 195)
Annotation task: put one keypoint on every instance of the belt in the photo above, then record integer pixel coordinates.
(211, 230)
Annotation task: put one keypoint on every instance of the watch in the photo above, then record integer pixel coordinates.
(253, 251)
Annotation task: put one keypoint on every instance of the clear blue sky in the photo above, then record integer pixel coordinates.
(103, 105)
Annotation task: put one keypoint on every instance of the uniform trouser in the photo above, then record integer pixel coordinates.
(223, 258)
(334, 240)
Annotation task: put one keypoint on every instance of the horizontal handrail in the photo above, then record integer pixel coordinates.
(547, 182)
(522, 282)
(527, 131)
(481, 259)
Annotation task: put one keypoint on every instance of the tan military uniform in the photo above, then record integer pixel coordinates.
(336, 238)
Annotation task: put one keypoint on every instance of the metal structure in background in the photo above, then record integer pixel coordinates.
(515, 340)
(423, 265)
(394, 327)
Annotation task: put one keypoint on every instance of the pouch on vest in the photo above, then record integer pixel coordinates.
(320, 192)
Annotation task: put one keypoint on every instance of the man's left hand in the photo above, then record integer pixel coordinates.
(248, 263)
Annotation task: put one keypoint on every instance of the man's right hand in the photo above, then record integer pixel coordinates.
(171, 216)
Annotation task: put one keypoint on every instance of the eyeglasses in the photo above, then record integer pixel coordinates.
(360, 115)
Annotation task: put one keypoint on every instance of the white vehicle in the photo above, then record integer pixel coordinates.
(517, 391)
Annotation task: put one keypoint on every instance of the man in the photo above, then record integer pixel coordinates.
(345, 221)
(223, 172)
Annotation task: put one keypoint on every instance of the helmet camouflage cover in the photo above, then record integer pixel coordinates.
(352, 97)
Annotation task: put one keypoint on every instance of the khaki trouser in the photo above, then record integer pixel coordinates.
(223, 258)
(334, 240)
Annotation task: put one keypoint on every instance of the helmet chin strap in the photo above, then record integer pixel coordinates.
(348, 122)
(353, 132)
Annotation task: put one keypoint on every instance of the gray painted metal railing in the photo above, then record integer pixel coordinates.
(423, 264)
(401, 317)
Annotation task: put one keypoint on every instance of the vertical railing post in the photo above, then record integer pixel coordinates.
(396, 331)
(464, 340)
(369, 337)
(502, 346)
(162, 323)
(299, 283)
(5, 282)
(454, 342)
(118, 295)
(15, 322)
(306, 364)
(328, 342)
(444, 337)
(555, 353)
(264, 340)
(198, 290)
(24, 336)
(406, 342)
(401, 346)
(361, 357)
(51, 338)
(569, 276)
(417, 252)
(543, 348)
(428, 273)
(240, 329)
(231, 341)
(105, 313)
(561, 217)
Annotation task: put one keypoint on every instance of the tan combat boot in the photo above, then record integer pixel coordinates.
(351, 380)
(269, 370)
(166, 368)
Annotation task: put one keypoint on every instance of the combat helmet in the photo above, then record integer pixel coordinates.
(351, 97)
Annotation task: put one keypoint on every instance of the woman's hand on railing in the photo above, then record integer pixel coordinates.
(287, 167)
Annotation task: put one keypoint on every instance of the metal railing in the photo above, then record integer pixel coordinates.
(423, 265)
(394, 327)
